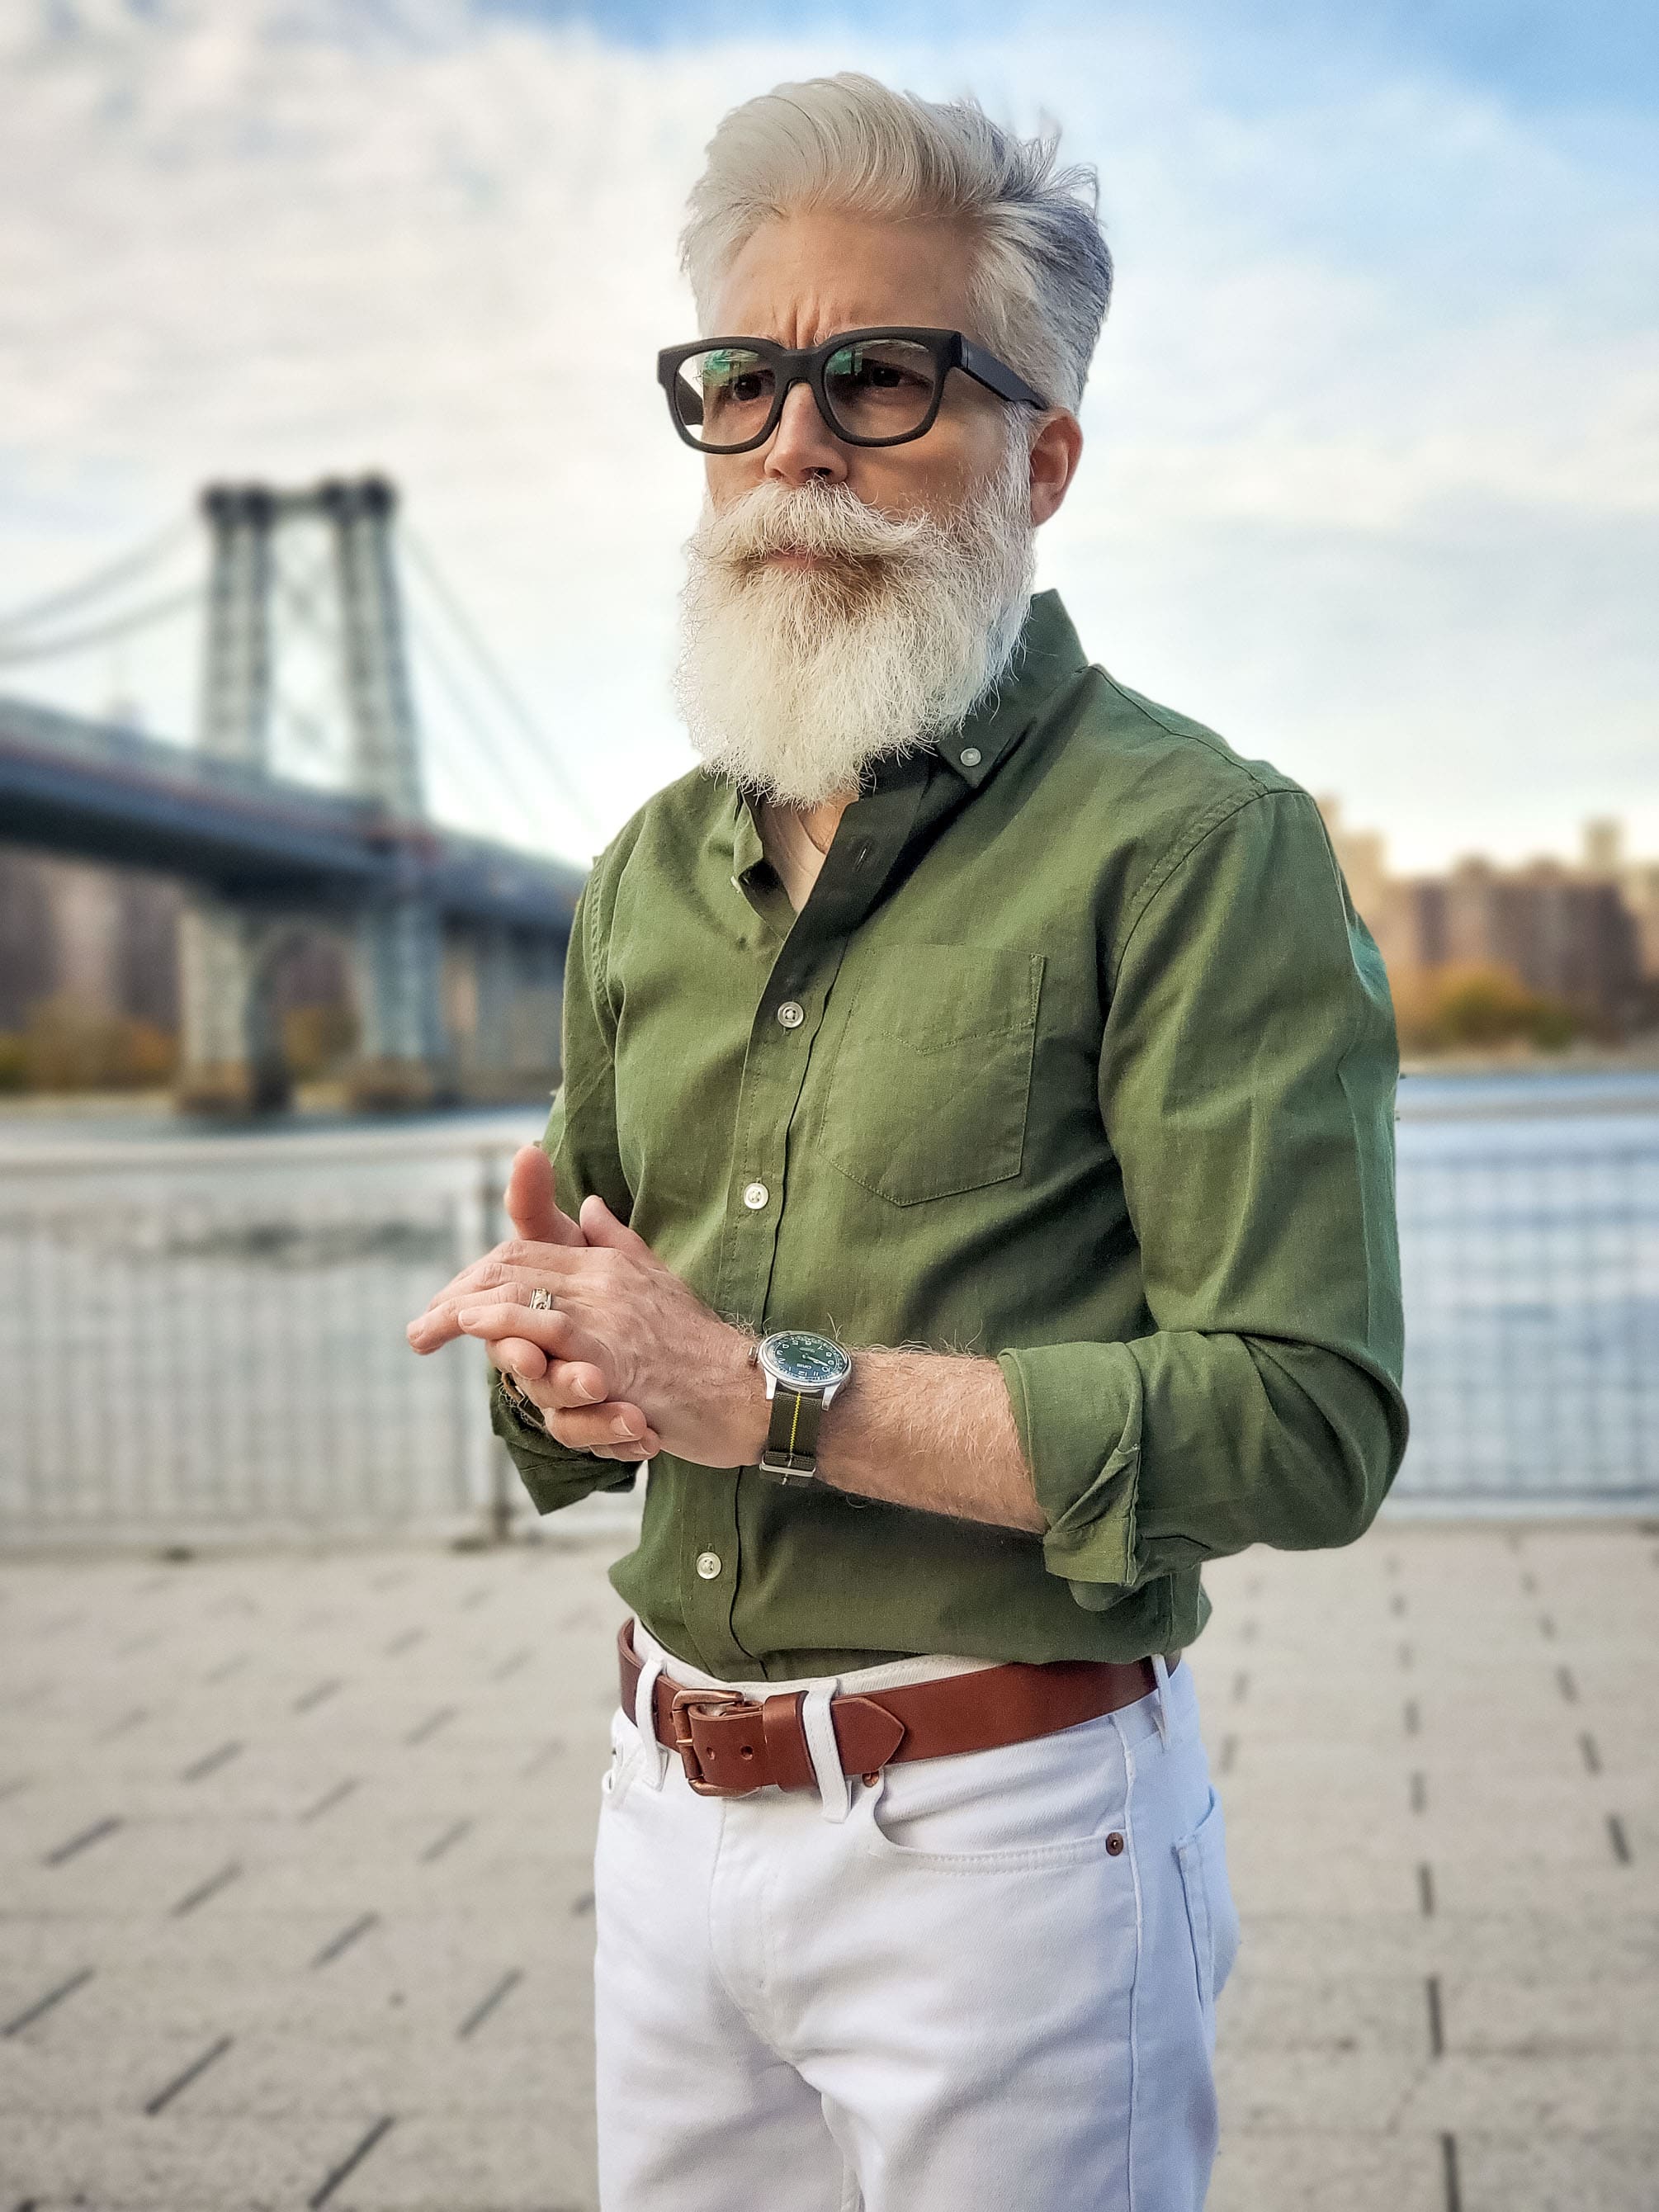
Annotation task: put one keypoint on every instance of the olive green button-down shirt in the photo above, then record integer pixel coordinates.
(1077, 1057)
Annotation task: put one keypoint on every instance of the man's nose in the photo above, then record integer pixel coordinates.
(804, 445)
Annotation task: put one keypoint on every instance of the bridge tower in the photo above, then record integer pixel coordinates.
(232, 1055)
(236, 680)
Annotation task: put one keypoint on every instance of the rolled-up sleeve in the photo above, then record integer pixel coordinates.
(1246, 1086)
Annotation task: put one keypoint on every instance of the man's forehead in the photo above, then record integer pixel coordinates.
(801, 278)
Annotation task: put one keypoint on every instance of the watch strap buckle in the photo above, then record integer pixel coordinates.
(796, 1467)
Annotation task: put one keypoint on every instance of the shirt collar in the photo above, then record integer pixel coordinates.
(1048, 652)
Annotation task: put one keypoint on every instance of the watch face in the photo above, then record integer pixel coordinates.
(806, 1361)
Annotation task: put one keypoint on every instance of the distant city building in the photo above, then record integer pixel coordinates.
(1637, 882)
(104, 938)
(1585, 934)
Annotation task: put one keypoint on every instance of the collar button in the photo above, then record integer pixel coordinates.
(971, 756)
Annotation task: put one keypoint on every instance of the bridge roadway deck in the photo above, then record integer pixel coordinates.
(103, 793)
(294, 1888)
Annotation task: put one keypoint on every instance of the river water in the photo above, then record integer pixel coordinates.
(196, 1331)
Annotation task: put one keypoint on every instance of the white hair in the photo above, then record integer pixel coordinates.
(1042, 274)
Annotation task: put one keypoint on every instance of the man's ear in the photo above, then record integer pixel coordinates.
(1055, 451)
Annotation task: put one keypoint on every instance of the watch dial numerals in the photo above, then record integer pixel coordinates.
(801, 1357)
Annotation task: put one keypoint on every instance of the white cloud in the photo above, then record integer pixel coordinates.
(1374, 476)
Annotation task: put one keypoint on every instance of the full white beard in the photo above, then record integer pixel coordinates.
(793, 681)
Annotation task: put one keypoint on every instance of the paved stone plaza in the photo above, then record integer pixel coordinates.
(295, 1903)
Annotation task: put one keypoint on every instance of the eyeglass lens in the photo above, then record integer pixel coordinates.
(876, 388)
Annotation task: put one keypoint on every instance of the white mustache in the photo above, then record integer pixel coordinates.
(834, 524)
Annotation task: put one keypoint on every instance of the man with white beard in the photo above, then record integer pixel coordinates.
(969, 1194)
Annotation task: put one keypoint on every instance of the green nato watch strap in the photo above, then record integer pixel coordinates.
(791, 1450)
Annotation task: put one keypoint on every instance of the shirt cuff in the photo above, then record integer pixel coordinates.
(1078, 1409)
(553, 1473)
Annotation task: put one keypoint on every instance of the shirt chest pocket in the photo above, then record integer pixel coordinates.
(929, 1080)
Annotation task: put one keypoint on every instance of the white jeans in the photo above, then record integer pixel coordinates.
(948, 1990)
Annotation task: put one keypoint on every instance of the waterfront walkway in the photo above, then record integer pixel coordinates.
(295, 1906)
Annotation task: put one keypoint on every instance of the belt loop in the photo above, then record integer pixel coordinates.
(655, 1755)
(824, 1752)
(1161, 1692)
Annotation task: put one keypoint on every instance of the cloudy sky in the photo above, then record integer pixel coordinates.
(1372, 476)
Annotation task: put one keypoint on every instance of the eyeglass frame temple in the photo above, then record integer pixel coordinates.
(805, 365)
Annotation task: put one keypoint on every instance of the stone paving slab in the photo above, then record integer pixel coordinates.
(296, 1898)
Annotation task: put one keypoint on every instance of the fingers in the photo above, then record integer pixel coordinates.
(547, 1246)
(518, 1357)
(561, 1383)
(569, 1384)
(615, 1430)
(507, 1281)
(510, 1314)
(438, 1325)
(512, 1262)
(530, 1201)
(600, 1225)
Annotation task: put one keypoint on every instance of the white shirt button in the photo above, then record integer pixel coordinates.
(971, 756)
(756, 1196)
(735, 884)
(792, 1014)
(708, 1564)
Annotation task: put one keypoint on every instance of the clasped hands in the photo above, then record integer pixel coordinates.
(628, 1361)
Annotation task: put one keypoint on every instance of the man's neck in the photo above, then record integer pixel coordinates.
(820, 822)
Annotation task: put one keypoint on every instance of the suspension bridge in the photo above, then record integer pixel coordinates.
(306, 657)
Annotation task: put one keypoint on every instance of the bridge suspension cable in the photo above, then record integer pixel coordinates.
(123, 625)
(150, 554)
(508, 779)
(543, 755)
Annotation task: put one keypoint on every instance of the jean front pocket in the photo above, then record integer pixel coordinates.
(627, 1748)
(1052, 1801)
(1212, 1916)
(930, 1082)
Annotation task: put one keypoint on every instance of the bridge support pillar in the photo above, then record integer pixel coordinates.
(232, 1057)
(496, 998)
(405, 1059)
(513, 996)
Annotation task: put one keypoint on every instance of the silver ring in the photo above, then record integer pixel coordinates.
(541, 1301)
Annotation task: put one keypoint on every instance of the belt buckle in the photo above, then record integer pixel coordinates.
(685, 1708)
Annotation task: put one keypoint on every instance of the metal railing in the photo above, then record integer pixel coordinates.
(1529, 1247)
(206, 1335)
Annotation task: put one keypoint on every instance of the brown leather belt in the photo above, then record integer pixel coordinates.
(730, 1745)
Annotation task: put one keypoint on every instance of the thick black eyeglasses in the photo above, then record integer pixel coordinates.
(876, 387)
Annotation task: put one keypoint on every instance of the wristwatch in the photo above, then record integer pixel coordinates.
(803, 1371)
